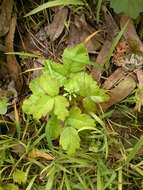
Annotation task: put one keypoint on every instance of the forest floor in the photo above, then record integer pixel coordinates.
(109, 156)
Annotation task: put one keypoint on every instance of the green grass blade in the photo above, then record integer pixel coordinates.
(81, 180)
(54, 4)
(51, 179)
(31, 183)
(67, 182)
(135, 150)
(98, 10)
(120, 179)
(99, 180)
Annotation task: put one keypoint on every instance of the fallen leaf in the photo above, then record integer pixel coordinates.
(5, 16)
(35, 153)
(80, 30)
(120, 92)
(131, 35)
(101, 59)
(113, 79)
(55, 29)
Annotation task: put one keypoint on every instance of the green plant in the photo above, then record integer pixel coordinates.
(3, 105)
(131, 8)
(67, 94)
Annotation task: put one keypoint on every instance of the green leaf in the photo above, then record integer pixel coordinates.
(131, 8)
(3, 106)
(78, 120)
(56, 70)
(84, 85)
(11, 186)
(38, 106)
(54, 4)
(45, 84)
(60, 107)
(19, 176)
(76, 58)
(53, 128)
(89, 105)
(70, 140)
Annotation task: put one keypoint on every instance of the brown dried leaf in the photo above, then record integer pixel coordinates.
(113, 79)
(120, 92)
(55, 29)
(101, 59)
(5, 16)
(131, 35)
(80, 30)
(35, 153)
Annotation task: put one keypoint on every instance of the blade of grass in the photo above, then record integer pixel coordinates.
(51, 178)
(120, 179)
(135, 150)
(98, 10)
(81, 180)
(67, 182)
(31, 183)
(99, 180)
(54, 4)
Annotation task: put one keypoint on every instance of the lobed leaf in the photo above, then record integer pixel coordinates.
(75, 59)
(53, 128)
(79, 120)
(70, 140)
(83, 84)
(60, 107)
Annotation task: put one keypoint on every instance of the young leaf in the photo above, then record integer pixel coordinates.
(56, 70)
(75, 59)
(83, 84)
(53, 128)
(131, 8)
(78, 120)
(3, 106)
(70, 140)
(19, 176)
(38, 106)
(46, 84)
(45, 98)
(60, 107)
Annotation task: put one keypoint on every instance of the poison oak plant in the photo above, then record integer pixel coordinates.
(66, 94)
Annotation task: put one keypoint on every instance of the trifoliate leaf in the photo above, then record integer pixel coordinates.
(19, 176)
(60, 107)
(38, 106)
(56, 70)
(46, 84)
(83, 84)
(70, 140)
(131, 8)
(78, 120)
(75, 59)
(53, 128)
(3, 106)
